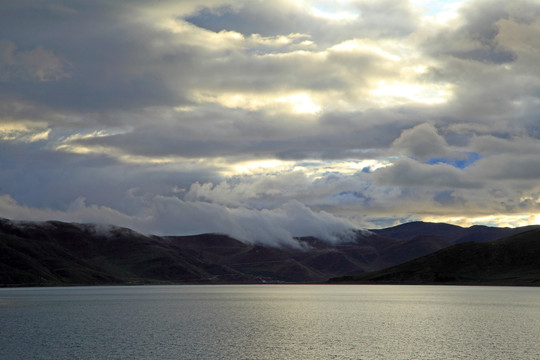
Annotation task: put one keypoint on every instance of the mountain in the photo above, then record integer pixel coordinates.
(514, 260)
(451, 233)
(58, 253)
(55, 253)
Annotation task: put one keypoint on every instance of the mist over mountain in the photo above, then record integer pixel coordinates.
(58, 253)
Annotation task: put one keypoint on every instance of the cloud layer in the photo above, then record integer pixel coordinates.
(271, 119)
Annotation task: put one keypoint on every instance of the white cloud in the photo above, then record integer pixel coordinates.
(173, 216)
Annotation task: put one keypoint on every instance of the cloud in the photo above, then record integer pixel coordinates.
(408, 172)
(173, 216)
(24, 131)
(508, 167)
(365, 19)
(422, 142)
(266, 226)
(78, 212)
(37, 65)
(483, 53)
(476, 38)
(517, 145)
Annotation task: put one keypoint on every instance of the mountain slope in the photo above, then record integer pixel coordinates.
(510, 261)
(62, 253)
(57, 253)
(452, 233)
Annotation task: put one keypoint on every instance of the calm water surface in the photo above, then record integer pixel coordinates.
(270, 322)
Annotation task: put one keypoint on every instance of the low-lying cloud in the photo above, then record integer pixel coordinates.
(173, 216)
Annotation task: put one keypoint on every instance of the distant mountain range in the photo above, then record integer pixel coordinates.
(56, 253)
(513, 260)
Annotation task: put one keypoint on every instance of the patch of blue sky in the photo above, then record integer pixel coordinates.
(472, 157)
(337, 10)
(435, 7)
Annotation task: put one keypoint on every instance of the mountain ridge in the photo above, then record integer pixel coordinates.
(59, 253)
(513, 260)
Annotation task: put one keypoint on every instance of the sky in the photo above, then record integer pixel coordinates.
(267, 120)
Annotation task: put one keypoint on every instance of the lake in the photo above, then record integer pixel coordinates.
(270, 322)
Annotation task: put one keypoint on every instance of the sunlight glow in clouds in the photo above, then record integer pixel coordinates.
(24, 131)
(260, 167)
(346, 167)
(516, 220)
(301, 103)
(335, 16)
(314, 170)
(367, 46)
(400, 93)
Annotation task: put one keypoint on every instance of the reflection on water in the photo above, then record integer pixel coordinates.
(270, 322)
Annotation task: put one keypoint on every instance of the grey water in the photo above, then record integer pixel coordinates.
(270, 322)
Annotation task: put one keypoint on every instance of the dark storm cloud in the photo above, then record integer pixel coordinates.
(112, 64)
